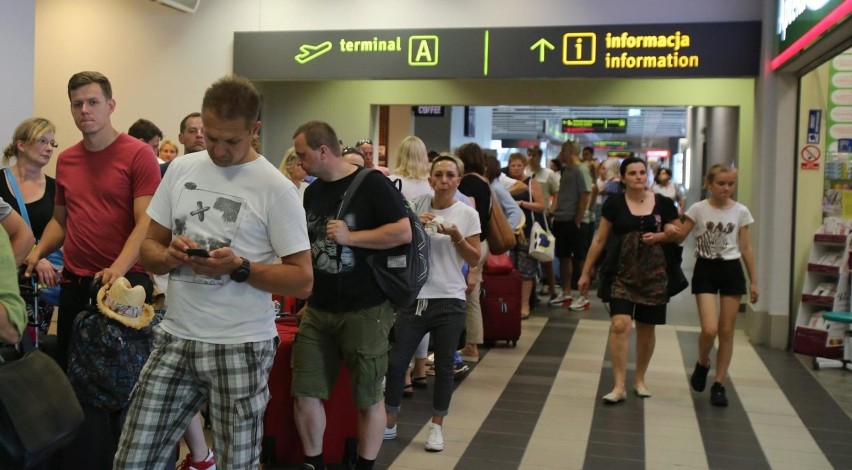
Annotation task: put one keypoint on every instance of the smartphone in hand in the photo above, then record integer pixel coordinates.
(198, 252)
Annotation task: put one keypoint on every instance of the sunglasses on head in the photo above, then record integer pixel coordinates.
(348, 150)
(363, 141)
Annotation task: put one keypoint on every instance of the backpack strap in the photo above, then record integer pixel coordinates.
(350, 191)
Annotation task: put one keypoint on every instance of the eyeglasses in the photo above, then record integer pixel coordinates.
(348, 150)
(44, 142)
(363, 141)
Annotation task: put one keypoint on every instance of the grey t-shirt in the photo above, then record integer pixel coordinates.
(5, 209)
(571, 186)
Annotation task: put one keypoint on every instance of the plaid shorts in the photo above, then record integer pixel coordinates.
(179, 377)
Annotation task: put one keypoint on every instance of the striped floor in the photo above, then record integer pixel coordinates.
(537, 406)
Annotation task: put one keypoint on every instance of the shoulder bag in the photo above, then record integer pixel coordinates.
(39, 413)
(501, 235)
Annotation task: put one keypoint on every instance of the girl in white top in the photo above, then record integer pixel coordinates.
(454, 239)
(722, 239)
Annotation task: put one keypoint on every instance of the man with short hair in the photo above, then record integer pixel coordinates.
(103, 186)
(218, 340)
(366, 147)
(347, 317)
(147, 132)
(191, 136)
(570, 206)
(192, 133)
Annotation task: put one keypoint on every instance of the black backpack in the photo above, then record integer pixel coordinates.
(400, 271)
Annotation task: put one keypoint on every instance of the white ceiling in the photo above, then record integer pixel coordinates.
(652, 128)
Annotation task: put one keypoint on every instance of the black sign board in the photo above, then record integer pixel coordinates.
(647, 50)
(421, 111)
(598, 125)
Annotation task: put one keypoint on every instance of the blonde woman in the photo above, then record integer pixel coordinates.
(25, 157)
(291, 167)
(168, 151)
(413, 168)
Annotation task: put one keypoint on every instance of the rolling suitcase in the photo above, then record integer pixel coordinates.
(501, 307)
(281, 444)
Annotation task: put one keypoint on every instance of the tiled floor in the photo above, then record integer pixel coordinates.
(537, 406)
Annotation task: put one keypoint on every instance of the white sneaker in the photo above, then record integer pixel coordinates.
(390, 433)
(435, 441)
(560, 300)
(580, 304)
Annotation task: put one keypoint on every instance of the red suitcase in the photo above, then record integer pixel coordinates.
(281, 443)
(501, 307)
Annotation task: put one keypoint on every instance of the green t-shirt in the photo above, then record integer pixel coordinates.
(10, 296)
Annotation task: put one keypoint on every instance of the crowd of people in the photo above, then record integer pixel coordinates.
(219, 228)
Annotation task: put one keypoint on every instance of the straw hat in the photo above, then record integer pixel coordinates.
(125, 304)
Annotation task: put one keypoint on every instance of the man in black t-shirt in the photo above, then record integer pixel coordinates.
(347, 317)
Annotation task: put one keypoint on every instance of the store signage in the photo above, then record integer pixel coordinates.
(657, 154)
(801, 22)
(646, 50)
(598, 125)
(428, 110)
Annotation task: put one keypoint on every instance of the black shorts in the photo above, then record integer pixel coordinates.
(648, 314)
(570, 240)
(718, 276)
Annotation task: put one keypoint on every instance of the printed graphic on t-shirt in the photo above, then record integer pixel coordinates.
(209, 218)
(712, 243)
(328, 256)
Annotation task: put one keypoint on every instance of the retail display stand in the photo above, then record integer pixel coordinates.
(826, 289)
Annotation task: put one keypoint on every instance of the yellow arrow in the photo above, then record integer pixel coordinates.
(542, 44)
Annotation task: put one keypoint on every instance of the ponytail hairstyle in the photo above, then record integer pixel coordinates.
(30, 130)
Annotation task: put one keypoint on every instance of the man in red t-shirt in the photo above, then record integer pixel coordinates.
(103, 186)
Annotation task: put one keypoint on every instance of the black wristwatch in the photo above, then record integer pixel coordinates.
(241, 274)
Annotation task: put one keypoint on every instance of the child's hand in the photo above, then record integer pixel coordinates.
(754, 293)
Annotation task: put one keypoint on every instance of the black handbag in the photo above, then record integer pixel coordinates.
(677, 281)
(39, 413)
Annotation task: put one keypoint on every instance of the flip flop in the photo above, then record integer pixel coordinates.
(419, 382)
(408, 390)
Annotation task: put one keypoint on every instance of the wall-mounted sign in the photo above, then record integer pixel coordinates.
(810, 157)
(597, 125)
(428, 110)
(801, 22)
(647, 50)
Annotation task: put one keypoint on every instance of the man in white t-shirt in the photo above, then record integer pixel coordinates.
(548, 180)
(220, 222)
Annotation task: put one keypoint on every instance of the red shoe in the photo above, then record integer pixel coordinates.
(207, 464)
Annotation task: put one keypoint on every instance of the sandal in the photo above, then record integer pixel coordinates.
(408, 390)
(419, 382)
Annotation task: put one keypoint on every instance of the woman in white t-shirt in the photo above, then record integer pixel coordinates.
(664, 186)
(454, 240)
(721, 240)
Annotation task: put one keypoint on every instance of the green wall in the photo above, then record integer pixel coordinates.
(347, 104)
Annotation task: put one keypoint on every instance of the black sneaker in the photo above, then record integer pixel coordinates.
(698, 380)
(717, 395)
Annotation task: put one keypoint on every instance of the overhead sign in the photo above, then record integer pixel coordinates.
(614, 144)
(598, 125)
(657, 154)
(801, 22)
(647, 50)
(428, 110)
(619, 154)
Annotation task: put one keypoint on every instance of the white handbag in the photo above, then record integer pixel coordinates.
(542, 242)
